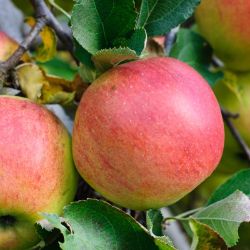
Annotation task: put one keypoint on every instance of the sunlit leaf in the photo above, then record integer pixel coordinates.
(107, 58)
(225, 216)
(47, 49)
(94, 224)
(39, 87)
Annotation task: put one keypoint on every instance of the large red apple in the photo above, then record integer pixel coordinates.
(36, 170)
(225, 25)
(147, 132)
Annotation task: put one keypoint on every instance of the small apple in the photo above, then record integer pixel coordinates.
(148, 132)
(225, 25)
(36, 170)
(8, 47)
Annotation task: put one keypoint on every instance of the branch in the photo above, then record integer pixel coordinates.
(43, 17)
(227, 116)
(42, 9)
(24, 46)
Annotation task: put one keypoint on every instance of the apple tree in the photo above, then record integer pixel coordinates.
(155, 94)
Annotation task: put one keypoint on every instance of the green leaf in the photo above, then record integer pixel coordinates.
(205, 238)
(88, 74)
(60, 67)
(83, 55)
(211, 77)
(96, 24)
(93, 224)
(154, 220)
(230, 80)
(239, 181)
(87, 69)
(160, 16)
(108, 58)
(48, 238)
(192, 49)
(163, 243)
(137, 41)
(225, 216)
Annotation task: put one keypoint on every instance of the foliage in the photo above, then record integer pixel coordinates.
(93, 224)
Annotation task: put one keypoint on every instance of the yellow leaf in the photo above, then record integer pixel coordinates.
(47, 49)
(31, 80)
(230, 80)
(56, 95)
(39, 87)
(59, 91)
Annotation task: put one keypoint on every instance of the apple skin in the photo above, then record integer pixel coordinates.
(225, 25)
(232, 158)
(8, 47)
(36, 169)
(148, 132)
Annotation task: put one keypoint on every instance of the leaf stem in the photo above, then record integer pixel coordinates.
(183, 215)
(56, 6)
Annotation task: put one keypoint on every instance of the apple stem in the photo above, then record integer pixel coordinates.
(227, 116)
(43, 17)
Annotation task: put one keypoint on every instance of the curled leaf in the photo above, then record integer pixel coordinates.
(225, 216)
(205, 237)
(39, 87)
(93, 224)
(230, 80)
(108, 58)
(47, 49)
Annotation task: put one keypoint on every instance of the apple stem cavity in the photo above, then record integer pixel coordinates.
(7, 221)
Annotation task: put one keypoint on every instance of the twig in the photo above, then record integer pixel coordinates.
(41, 9)
(23, 47)
(43, 17)
(227, 116)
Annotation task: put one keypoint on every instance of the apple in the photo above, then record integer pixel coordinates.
(233, 158)
(36, 170)
(147, 132)
(225, 25)
(8, 47)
